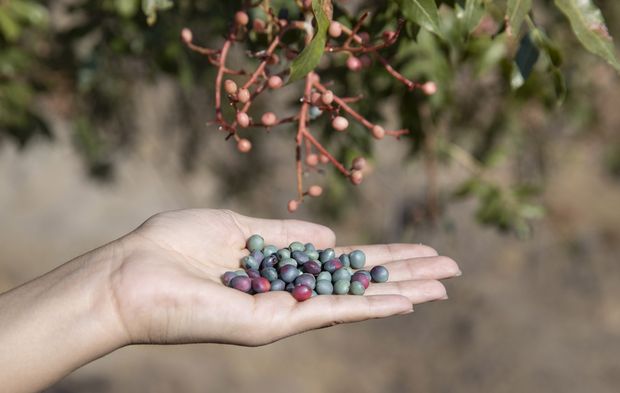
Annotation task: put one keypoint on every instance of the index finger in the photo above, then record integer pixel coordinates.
(377, 254)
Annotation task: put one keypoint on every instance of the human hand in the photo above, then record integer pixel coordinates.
(167, 288)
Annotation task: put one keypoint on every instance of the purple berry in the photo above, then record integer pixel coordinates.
(241, 283)
(312, 267)
(332, 265)
(258, 256)
(227, 277)
(277, 285)
(289, 287)
(288, 273)
(260, 285)
(379, 274)
(269, 261)
(327, 254)
(252, 273)
(307, 280)
(302, 293)
(300, 256)
(362, 278)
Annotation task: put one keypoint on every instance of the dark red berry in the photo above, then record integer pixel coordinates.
(260, 285)
(252, 273)
(362, 278)
(311, 267)
(301, 293)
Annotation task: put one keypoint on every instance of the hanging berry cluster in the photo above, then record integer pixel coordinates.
(317, 99)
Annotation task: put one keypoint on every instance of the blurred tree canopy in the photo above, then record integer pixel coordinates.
(494, 63)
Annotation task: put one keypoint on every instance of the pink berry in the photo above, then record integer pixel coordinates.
(244, 145)
(230, 86)
(389, 35)
(258, 25)
(241, 18)
(323, 158)
(315, 98)
(292, 205)
(274, 82)
(312, 159)
(243, 95)
(340, 123)
(378, 132)
(354, 64)
(335, 29)
(356, 177)
(269, 118)
(359, 163)
(315, 191)
(186, 35)
(364, 36)
(327, 97)
(243, 119)
(301, 293)
(366, 61)
(429, 88)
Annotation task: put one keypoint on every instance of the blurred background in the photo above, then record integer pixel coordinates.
(513, 170)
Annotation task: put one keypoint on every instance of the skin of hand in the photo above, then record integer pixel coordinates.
(161, 284)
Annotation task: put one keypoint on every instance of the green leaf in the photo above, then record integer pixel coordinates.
(422, 12)
(309, 58)
(516, 12)
(473, 14)
(150, 8)
(9, 27)
(589, 26)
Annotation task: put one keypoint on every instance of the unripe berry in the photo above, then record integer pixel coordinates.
(429, 88)
(359, 163)
(230, 86)
(292, 205)
(354, 64)
(241, 18)
(186, 35)
(244, 145)
(364, 36)
(273, 59)
(389, 35)
(340, 123)
(269, 118)
(314, 77)
(274, 82)
(378, 132)
(327, 97)
(356, 177)
(323, 158)
(312, 159)
(243, 95)
(315, 191)
(335, 29)
(243, 119)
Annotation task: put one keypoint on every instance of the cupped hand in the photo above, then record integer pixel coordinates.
(168, 289)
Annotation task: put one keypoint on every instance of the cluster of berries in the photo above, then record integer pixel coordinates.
(302, 270)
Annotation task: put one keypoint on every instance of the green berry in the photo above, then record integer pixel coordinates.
(255, 243)
(249, 262)
(296, 246)
(324, 287)
(357, 288)
(309, 247)
(341, 274)
(241, 273)
(287, 261)
(269, 250)
(344, 258)
(312, 254)
(342, 287)
(324, 276)
(358, 259)
(284, 253)
(327, 254)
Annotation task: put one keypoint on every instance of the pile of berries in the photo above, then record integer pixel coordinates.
(302, 270)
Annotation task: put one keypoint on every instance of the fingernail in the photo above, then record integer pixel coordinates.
(406, 312)
(458, 274)
(444, 297)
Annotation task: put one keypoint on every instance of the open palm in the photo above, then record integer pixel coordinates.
(168, 286)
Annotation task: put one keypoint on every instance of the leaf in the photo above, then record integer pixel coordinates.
(515, 13)
(473, 14)
(422, 12)
(310, 56)
(150, 8)
(589, 26)
(9, 28)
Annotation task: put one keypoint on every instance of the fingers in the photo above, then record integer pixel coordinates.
(283, 232)
(322, 311)
(417, 291)
(423, 268)
(379, 254)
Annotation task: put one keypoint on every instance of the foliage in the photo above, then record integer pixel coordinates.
(488, 73)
